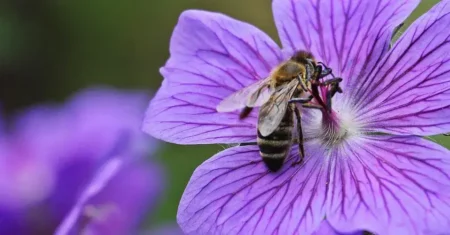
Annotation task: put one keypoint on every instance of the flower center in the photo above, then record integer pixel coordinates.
(333, 127)
(332, 132)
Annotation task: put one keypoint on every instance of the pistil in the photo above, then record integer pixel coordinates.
(323, 91)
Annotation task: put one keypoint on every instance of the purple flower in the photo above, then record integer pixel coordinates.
(326, 229)
(53, 157)
(1, 124)
(354, 176)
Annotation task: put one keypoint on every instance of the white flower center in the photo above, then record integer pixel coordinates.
(330, 129)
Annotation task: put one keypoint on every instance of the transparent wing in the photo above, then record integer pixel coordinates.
(254, 95)
(272, 112)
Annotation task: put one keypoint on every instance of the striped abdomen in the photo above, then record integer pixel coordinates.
(275, 147)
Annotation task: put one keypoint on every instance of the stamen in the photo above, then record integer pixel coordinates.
(323, 92)
(331, 132)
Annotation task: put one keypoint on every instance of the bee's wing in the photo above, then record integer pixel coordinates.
(272, 112)
(254, 95)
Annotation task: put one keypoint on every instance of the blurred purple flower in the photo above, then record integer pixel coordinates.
(355, 177)
(53, 153)
(168, 229)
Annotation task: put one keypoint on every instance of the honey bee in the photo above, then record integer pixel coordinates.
(292, 81)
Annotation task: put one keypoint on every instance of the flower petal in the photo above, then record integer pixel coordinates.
(349, 36)
(409, 92)
(92, 124)
(108, 171)
(212, 56)
(326, 229)
(233, 193)
(124, 202)
(390, 185)
(115, 200)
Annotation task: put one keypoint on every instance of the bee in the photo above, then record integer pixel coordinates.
(292, 81)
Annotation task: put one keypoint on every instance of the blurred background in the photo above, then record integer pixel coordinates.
(49, 49)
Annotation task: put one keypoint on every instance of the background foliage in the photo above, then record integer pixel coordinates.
(49, 49)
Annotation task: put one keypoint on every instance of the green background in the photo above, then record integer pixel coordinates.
(50, 49)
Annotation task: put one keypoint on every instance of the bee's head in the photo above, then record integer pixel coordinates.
(306, 59)
(303, 57)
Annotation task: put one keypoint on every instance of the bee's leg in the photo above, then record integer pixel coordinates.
(317, 72)
(247, 144)
(245, 112)
(301, 100)
(312, 106)
(300, 82)
(300, 137)
(331, 81)
(250, 144)
(307, 74)
(310, 70)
